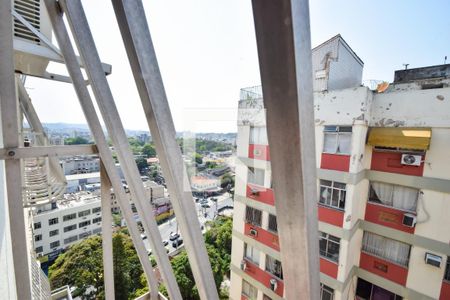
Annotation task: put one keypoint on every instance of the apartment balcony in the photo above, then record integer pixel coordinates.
(260, 152)
(338, 162)
(331, 215)
(329, 267)
(263, 277)
(263, 236)
(445, 290)
(260, 193)
(387, 216)
(383, 268)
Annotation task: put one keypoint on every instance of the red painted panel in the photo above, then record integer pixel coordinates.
(386, 216)
(259, 152)
(331, 216)
(390, 162)
(264, 277)
(243, 297)
(263, 236)
(383, 268)
(445, 291)
(328, 267)
(260, 193)
(335, 162)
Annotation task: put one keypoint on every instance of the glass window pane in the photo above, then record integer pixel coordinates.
(344, 140)
(330, 142)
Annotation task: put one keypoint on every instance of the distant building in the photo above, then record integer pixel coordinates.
(80, 164)
(205, 184)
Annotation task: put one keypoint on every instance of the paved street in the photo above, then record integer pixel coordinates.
(171, 226)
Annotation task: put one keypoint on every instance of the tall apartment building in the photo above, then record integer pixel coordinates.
(383, 189)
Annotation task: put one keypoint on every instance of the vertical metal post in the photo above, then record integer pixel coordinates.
(10, 128)
(284, 50)
(141, 54)
(86, 46)
(108, 269)
(87, 105)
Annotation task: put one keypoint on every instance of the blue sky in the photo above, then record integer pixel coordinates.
(207, 52)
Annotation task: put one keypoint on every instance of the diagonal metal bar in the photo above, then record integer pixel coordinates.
(93, 121)
(284, 50)
(86, 46)
(108, 269)
(141, 54)
(10, 139)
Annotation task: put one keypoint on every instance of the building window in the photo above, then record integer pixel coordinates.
(265, 297)
(38, 237)
(337, 139)
(396, 196)
(70, 239)
(37, 225)
(84, 234)
(53, 221)
(386, 248)
(255, 176)
(249, 290)
(369, 291)
(273, 223)
(54, 244)
(326, 293)
(253, 216)
(251, 253)
(258, 135)
(39, 249)
(97, 230)
(332, 194)
(96, 220)
(69, 217)
(447, 270)
(84, 213)
(84, 224)
(273, 266)
(53, 232)
(329, 246)
(96, 210)
(70, 228)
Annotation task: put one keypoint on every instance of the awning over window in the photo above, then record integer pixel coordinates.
(406, 138)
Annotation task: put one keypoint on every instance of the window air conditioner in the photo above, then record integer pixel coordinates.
(409, 220)
(434, 260)
(411, 160)
(253, 232)
(243, 265)
(273, 284)
(255, 192)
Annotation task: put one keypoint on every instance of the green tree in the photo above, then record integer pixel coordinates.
(76, 141)
(141, 163)
(121, 277)
(227, 180)
(149, 150)
(198, 158)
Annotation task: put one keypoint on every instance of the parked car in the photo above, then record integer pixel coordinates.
(143, 236)
(173, 236)
(206, 205)
(177, 243)
(165, 242)
(204, 201)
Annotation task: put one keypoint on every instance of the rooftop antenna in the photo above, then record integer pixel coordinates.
(445, 59)
(406, 66)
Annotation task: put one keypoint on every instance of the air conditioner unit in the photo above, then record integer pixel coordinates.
(409, 220)
(254, 232)
(432, 259)
(255, 192)
(411, 160)
(273, 284)
(243, 265)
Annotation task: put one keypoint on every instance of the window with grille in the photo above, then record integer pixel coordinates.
(258, 135)
(329, 246)
(255, 176)
(97, 220)
(84, 213)
(37, 225)
(38, 237)
(69, 217)
(54, 244)
(337, 139)
(386, 248)
(251, 253)
(39, 249)
(84, 224)
(53, 221)
(70, 228)
(273, 223)
(326, 293)
(53, 232)
(273, 266)
(84, 234)
(253, 216)
(332, 194)
(447, 270)
(249, 290)
(96, 210)
(396, 196)
(70, 239)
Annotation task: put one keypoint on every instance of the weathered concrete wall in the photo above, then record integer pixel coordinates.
(347, 71)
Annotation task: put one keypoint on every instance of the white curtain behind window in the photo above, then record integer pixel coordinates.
(330, 142)
(258, 135)
(384, 192)
(388, 249)
(345, 143)
(400, 197)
